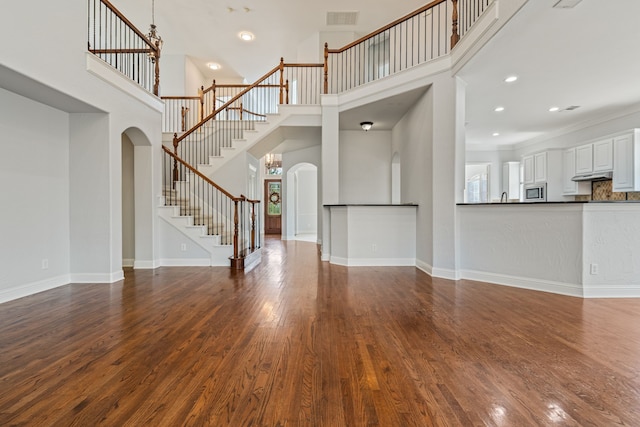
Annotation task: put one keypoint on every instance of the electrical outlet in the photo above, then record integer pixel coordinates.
(45, 263)
(594, 269)
(183, 247)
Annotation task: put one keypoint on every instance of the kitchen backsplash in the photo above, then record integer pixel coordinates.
(602, 190)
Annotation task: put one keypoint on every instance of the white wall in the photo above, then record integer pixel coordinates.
(306, 190)
(523, 245)
(412, 139)
(34, 219)
(99, 105)
(311, 155)
(128, 203)
(365, 167)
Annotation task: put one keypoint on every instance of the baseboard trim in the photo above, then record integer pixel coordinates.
(186, 262)
(421, 265)
(97, 277)
(373, 262)
(128, 262)
(569, 289)
(145, 265)
(611, 291)
(33, 288)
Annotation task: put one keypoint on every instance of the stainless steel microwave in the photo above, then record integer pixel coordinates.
(535, 193)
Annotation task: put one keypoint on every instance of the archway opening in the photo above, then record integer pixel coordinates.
(302, 202)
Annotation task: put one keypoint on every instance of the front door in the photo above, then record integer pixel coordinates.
(273, 206)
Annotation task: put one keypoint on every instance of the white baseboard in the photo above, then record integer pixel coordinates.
(373, 262)
(33, 288)
(128, 262)
(145, 265)
(570, 289)
(421, 265)
(186, 262)
(97, 277)
(611, 291)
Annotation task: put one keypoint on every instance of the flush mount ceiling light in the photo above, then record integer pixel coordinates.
(554, 109)
(246, 36)
(496, 134)
(511, 79)
(498, 109)
(366, 125)
(214, 66)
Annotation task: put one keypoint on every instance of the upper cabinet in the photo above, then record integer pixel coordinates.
(584, 159)
(595, 157)
(569, 170)
(603, 155)
(534, 168)
(527, 169)
(540, 167)
(626, 161)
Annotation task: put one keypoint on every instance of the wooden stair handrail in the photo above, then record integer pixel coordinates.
(207, 180)
(131, 26)
(176, 139)
(388, 26)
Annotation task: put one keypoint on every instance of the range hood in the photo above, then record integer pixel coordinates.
(597, 176)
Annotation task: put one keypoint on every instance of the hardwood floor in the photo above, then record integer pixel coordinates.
(297, 342)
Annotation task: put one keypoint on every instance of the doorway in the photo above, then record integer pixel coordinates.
(273, 206)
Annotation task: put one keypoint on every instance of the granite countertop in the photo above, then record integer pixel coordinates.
(546, 203)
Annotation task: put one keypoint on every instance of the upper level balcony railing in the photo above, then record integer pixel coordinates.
(114, 39)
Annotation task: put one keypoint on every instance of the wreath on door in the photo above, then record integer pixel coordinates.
(274, 198)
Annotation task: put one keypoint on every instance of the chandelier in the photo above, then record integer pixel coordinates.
(273, 163)
(153, 35)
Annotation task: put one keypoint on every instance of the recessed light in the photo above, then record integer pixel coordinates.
(496, 134)
(214, 66)
(498, 109)
(554, 109)
(511, 79)
(246, 36)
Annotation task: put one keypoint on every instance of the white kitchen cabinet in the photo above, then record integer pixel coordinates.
(527, 166)
(511, 179)
(626, 162)
(570, 187)
(584, 159)
(603, 155)
(540, 167)
(535, 168)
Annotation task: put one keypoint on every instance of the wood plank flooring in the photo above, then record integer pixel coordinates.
(298, 342)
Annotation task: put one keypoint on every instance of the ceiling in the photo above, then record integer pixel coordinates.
(586, 56)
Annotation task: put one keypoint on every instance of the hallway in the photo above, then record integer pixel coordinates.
(298, 342)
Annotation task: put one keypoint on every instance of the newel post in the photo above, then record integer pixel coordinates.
(326, 68)
(253, 226)
(156, 83)
(201, 95)
(286, 86)
(176, 174)
(281, 80)
(213, 89)
(455, 37)
(235, 231)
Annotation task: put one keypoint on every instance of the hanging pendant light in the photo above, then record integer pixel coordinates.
(153, 35)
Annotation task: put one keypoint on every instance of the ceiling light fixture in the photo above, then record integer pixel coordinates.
(511, 79)
(153, 35)
(366, 126)
(498, 109)
(246, 36)
(554, 109)
(214, 66)
(496, 134)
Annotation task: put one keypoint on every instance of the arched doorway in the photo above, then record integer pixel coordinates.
(137, 200)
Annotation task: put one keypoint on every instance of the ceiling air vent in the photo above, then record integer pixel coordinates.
(570, 108)
(342, 18)
(566, 4)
